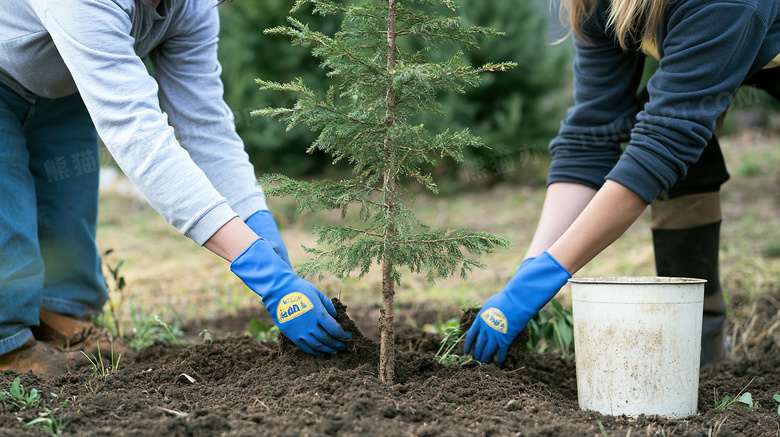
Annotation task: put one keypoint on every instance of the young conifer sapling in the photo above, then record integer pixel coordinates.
(367, 120)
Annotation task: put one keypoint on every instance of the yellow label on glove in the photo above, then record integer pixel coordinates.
(495, 319)
(292, 306)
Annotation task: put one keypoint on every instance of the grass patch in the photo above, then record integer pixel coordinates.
(452, 337)
(101, 367)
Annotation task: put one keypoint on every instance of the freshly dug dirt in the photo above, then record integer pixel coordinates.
(239, 387)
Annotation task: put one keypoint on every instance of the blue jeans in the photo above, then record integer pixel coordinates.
(49, 169)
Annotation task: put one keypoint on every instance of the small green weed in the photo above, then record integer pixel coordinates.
(147, 330)
(552, 329)
(99, 367)
(64, 403)
(440, 327)
(453, 335)
(19, 396)
(728, 402)
(260, 331)
(49, 422)
(205, 335)
(109, 319)
(777, 398)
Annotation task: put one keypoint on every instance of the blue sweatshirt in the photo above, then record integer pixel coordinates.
(707, 49)
(188, 161)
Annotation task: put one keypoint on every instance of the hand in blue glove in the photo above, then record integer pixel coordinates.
(298, 309)
(264, 225)
(504, 315)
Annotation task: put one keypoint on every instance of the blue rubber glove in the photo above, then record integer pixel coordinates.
(524, 264)
(264, 225)
(301, 312)
(505, 315)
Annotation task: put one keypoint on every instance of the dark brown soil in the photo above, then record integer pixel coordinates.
(239, 387)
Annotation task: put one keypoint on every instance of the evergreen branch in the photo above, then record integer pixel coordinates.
(433, 28)
(322, 45)
(341, 114)
(302, 35)
(357, 59)
(440, 253)
(345, 233)
(323, 194)
(360, 255)
(321, 7)
(298, 4)
(491, 66)
(477, 240)
(309, 97)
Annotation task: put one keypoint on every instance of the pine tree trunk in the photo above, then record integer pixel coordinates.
(387, 316)
(386, 331)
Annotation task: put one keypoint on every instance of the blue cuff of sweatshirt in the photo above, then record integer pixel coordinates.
(647, 179)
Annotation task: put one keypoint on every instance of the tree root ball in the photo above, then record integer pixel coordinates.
(360, 350)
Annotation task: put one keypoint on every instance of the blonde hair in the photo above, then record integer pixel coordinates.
(631, 20)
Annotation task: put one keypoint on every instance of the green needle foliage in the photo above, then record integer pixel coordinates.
(366, 121)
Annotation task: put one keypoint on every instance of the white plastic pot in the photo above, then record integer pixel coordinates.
(637, 344)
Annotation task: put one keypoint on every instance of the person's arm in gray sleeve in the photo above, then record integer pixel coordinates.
(122, 100)
(191, 93)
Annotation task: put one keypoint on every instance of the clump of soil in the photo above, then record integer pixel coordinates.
(239, 387)
(360, 350)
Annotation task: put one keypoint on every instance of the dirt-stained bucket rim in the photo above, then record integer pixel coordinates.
(631, 280)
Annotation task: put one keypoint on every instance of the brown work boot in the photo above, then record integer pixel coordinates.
(41, 359)
(74, 334)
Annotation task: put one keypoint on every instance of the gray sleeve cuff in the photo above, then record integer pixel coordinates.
(250, 205)
(209, 223)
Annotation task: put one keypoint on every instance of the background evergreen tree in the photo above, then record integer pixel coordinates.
(367, 121)
(245, 53)
(516, 113)
(513, 111)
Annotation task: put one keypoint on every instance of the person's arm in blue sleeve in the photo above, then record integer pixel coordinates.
(708, 52)
(606, 79)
